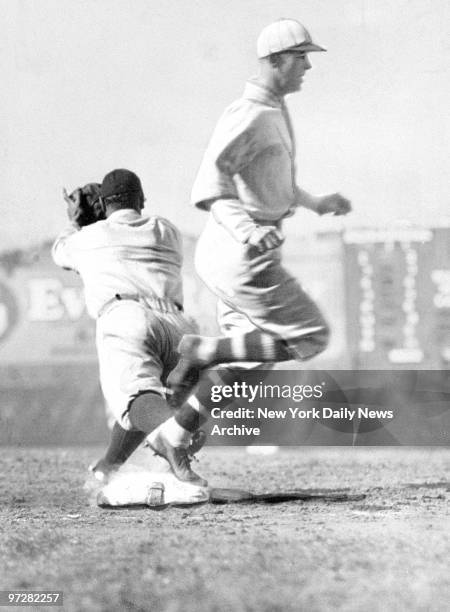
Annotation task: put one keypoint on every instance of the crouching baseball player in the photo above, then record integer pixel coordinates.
(130, 265)
(247, 184)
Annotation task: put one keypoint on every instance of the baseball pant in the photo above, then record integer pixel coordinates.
(137, 349)
(257, 292)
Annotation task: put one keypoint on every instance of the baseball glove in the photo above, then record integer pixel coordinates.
(83, 205)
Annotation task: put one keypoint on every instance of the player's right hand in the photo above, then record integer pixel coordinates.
(265, 238)
(335, 204)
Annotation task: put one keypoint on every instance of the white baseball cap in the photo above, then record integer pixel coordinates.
(285, 35)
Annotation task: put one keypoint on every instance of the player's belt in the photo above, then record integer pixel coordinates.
(163, 305)
(275, 222)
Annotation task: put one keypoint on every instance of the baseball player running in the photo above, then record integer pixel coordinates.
(131, 269)
(247, 183)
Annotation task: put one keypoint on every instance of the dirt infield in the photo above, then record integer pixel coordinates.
(388, 551)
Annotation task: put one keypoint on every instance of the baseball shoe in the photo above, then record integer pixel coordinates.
(99, 474)
(178, 459)
(186, 374)
(196, 443)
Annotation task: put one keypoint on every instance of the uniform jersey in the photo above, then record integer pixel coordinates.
(126, 253)
(138, 259)
(250, 161)
(250, 157)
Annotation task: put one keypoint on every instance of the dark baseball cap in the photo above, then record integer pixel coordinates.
(120, 181)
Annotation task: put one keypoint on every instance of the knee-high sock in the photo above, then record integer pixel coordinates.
(151, 414)
(148, 411)
(195, 412)
(253, 346)
(122, 445)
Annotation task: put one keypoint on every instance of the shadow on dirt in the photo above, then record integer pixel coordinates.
(239, 496)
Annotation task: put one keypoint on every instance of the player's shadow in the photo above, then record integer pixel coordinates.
(241, 496)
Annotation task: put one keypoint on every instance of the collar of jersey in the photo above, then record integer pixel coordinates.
(260, 93)
(124, 215)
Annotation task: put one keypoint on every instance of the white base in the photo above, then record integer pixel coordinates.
(150, 488)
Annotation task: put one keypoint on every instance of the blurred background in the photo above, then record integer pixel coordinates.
(91, 85)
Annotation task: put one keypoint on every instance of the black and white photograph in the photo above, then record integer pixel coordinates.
(225, 305)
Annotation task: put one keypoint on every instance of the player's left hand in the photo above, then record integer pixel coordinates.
(83, 206)
(334, 203)
(265, 238)
(73, 202)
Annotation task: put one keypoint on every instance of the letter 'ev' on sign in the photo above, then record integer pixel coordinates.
(49, 300)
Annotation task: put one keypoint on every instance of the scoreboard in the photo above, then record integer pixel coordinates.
(398, 298)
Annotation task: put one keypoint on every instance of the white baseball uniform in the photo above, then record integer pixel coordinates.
(247, 179)
(131, 269)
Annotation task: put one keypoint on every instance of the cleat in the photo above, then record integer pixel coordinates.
(197, 443)
(99, 475)
(178, 459)
(102, 471)
(186, 374)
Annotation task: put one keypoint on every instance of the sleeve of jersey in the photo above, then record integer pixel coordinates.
(62, 249)
(237, 139)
